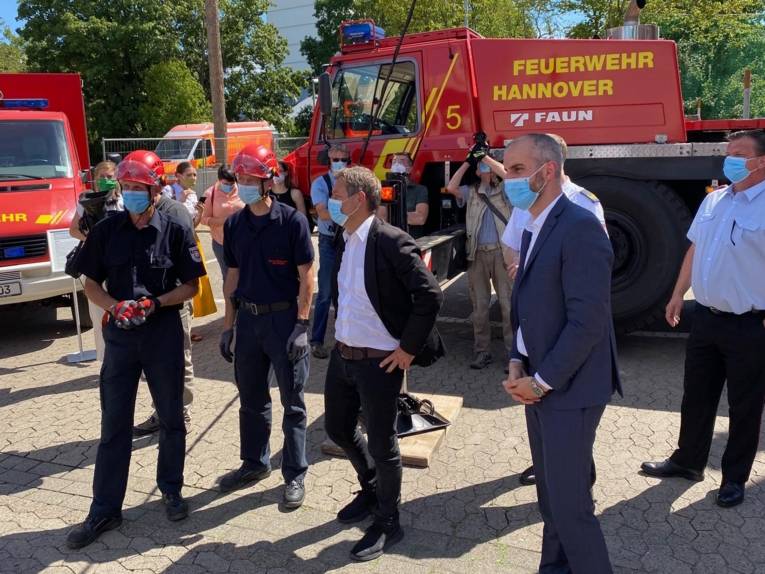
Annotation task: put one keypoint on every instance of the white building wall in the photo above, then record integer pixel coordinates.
(294, 20)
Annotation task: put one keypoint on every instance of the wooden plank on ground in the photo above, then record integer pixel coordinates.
(417, 450)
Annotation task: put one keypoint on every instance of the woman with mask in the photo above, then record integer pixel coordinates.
(182, 190)
(221, 200)
(285, 193)
(106, 190)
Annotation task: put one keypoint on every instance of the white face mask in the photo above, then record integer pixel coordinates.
(398, 167)
(279, 179)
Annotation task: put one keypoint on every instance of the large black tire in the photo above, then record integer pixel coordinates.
(647, 223)
(82, 302)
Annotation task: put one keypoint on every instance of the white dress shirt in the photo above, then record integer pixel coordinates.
(358, 324)
(520, 218)
(729, 261)
(535, 226)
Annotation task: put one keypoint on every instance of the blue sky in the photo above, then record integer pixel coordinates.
(8, 10)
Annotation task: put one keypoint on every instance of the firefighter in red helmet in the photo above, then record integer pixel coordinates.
(140, 266)
(268, 288)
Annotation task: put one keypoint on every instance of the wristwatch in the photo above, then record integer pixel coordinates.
(303, 322)
(537, 389)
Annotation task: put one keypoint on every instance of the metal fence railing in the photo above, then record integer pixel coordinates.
(199, 150)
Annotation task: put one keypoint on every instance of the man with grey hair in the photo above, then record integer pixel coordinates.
(563, 368)
(321, 189)
(387, 305)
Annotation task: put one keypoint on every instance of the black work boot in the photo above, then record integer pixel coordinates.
(358, 508)
(381, 535)
(87, 532)
(176, 507)
(242, 476)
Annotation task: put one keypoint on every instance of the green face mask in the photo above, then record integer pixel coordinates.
(104, 184)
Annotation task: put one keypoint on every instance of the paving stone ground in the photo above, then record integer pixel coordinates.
(466, 513)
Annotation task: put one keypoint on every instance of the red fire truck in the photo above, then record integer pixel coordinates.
(617, 102)
(43, 163)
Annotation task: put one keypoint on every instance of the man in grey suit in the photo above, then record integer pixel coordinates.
(564, 338)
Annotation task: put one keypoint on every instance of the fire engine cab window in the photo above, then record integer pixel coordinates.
(33, 150)
(355, 91)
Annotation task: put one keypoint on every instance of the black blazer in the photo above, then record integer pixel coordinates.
(403, 292)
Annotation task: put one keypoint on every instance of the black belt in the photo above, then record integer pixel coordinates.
(256, 309)
(753, 313)
(359, 353)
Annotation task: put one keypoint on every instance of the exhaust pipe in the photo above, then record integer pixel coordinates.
(632, 28)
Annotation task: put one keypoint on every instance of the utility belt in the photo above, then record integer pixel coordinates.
(359, 353)
(715, 311)
(263, 309)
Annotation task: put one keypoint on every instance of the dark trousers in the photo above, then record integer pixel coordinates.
(324, 296)
(156, 348)
(261, 343)
(354, 387)
(561, 448)
(723, 347)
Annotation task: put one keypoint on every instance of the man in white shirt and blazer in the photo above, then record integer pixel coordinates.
(387, 302)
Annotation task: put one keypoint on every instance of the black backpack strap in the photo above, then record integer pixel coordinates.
(493, 209)
(328, 181)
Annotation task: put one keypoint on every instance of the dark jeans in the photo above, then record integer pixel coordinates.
(324, 296)
(218, 251)
(362, 386)
(156, 348)
(561, 444)
(723, 347)
(261, 343)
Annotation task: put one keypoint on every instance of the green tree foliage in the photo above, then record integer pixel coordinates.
(716, 39)
(177, 98)
(492, 18)
(114, 44)
(302, 122)
(12, 57)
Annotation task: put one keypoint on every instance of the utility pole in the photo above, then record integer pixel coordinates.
(215, 61)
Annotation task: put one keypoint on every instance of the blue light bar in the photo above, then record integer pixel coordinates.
(362, 33)
(24, 103)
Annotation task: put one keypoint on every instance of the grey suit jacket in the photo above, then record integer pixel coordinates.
(563, 301)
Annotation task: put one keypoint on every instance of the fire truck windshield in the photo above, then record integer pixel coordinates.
(175, 149)
(356, 89)
(33, 149)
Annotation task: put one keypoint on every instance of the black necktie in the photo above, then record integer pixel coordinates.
(525, 242)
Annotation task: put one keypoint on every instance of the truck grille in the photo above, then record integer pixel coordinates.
(27, 247)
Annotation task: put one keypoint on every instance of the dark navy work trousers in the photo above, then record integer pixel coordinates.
(156, 348)
(261, 343)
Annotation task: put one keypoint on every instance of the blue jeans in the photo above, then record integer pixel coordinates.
(156, 348)
(261, 343)
(218, 251)
(324, 296)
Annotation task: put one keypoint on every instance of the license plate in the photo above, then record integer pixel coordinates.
(10, 289)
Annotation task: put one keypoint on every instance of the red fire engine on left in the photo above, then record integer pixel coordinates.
(44, 164)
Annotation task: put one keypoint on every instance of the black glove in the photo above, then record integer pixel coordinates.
(224, 345)
(297, 344)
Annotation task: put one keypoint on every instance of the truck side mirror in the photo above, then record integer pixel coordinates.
(323, 157)
(325, 94)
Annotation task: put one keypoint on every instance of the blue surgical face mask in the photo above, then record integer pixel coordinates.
(483, 168)
(226, 187)
(338, 165)
(519, 193)
(250, 193)
(136, 201)
(335, 208)
(735, 168)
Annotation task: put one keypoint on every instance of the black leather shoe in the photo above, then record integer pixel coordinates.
(242, 477)
(380, 536)
(528, 477)
(294, 494)
(358, 508)
(667, 468)
(176, 507)
(90, 530)
(730, 494)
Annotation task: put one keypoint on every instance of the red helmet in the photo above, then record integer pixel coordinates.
(256, 160)
(142, 166)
